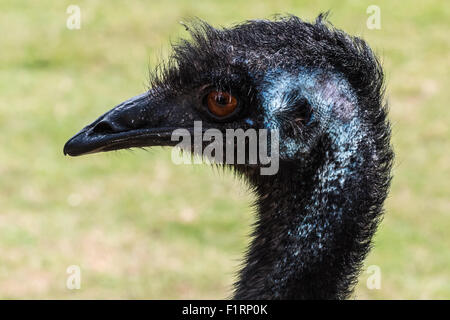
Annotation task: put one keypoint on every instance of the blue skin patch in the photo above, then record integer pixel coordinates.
(330, 96)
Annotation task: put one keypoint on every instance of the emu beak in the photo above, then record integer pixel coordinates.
(137, 122)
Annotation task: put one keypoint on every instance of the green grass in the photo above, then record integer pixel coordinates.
(142, 227)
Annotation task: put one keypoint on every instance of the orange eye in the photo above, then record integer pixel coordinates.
(221, 103)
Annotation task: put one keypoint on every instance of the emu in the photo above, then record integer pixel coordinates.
(322, 90)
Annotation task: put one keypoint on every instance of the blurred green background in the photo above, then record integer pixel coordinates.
(142, 227)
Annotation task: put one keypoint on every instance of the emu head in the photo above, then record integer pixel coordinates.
(307, 81)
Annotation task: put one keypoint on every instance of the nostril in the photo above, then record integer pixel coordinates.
(103, 127)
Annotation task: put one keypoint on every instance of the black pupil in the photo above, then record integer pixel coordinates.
(222, 99)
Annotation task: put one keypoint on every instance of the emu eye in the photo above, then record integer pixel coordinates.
(221, 103)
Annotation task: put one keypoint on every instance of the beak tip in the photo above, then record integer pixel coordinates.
(70, 148)
(66, 150)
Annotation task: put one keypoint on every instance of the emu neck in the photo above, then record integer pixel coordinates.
(315, 222)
